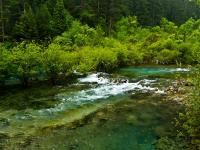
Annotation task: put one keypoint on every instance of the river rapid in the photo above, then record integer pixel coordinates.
(125, 110)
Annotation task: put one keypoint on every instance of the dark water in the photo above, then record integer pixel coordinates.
(99, 112)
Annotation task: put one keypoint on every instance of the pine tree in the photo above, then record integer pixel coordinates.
(26, 27)
(43, 21)
(155, 12)
(58, 22)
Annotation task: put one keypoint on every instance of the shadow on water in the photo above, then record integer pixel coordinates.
(34, 97)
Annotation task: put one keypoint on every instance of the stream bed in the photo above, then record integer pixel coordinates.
(124, 110)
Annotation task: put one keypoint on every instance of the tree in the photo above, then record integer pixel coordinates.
(186, 28)
(26, 27)
(43, 18)
(60, 20)
(168, 26)
(168, 56)
(80, 35)
(126, 27)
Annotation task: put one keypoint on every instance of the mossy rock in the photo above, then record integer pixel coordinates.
(4, 122)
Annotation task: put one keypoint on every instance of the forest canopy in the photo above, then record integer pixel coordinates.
(44, 19)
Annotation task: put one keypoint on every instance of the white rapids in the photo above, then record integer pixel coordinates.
(105, 88)
(180, 70)
(95, 78)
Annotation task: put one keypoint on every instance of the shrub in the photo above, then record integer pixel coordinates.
(26, 60)
(168, 56)
(57, 62)
(97, 58)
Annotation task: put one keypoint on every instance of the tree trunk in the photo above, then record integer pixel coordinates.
(53, 80)
(25, 82)
(110, 26)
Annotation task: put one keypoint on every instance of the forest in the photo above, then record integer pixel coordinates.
(55, 41)
(39, 19)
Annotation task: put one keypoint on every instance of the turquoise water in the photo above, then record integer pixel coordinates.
(100, 111)
(153, 70)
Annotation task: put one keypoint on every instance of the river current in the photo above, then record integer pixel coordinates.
(124, 110)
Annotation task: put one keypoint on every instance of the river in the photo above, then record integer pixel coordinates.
(124, 110)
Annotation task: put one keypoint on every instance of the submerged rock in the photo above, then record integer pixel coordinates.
(24, 117)
(4, 122)
(3, 136)
(101, 116)
(146, 117)
(181, 90)
(132, 119)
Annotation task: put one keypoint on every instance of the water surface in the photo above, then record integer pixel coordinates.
(100, 111)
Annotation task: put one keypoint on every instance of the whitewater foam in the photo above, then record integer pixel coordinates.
(105, 90)
(180, 70)
(95, 78)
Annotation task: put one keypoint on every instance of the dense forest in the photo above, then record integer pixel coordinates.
(38, 19)
(54, 40)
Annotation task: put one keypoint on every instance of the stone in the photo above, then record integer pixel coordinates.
(131, 119)
(181, 90)
(4, 122)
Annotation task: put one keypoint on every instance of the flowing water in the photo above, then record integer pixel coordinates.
(120, 111)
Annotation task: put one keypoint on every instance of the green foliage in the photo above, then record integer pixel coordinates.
(97, 58)
(26, 28)
(4, 64)
(84, 48)
(54, 14)
(196, 52)
(186, 53)
(125, 27)
(80, 44)
(43, 18)
(61, 19)
(167, 56)
(166, 143)
(80, 35)
(25, 61)
(186, 29)
(168, 26)
(190, 121)
(57, 63)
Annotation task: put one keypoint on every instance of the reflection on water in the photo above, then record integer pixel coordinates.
(100, 112)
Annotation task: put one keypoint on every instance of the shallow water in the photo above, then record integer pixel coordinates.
(100, 112)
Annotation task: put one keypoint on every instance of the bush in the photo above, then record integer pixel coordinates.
(196, 52)
(57, 63)
(168, 56)
(168, 26)
(97, 58)
(190, 121)
(25, 60)
(185, 50)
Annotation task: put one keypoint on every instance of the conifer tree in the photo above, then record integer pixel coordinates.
(58, 22)
(43, 17)
(26, 27)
